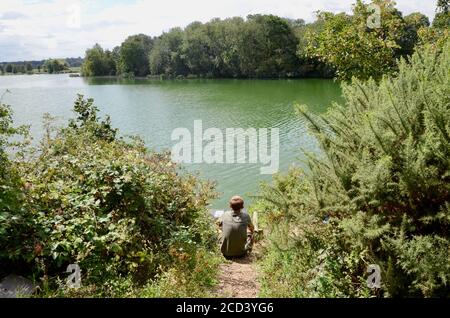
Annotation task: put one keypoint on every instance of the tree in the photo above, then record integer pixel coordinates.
(268, 47)
(29, 68)
(414, 22)
(349, 45)
(224, 41)
(116, 57)
(311, 66)
(9, 68)
(166, 57)
(440, 30)
(442, 18)
(262, 46)
(134, 55)
(98, 62)
(196, 50)
(54, 66)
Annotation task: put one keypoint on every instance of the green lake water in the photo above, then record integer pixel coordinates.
(153, 109)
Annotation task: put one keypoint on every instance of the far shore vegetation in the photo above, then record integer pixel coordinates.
(268, 46)
(262, 46)
(50, 66)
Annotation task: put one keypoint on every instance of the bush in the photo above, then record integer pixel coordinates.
(122, 213)
(353, 49)
(13, 222)
(378, 194)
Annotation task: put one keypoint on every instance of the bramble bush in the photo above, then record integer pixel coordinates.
(124, 214)
(378, 194)
(13, 223)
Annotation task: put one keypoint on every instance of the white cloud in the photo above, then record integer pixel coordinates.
(65, 28)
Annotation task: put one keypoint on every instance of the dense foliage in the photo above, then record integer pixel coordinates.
(356, 48)
(128, 217)
(438, 34)
(30, 67)
(99, 62)
(52, 66)
(380, 194)
(14, 224)
(133, 56)
(267, 46)
(442, 18)
(16, 68)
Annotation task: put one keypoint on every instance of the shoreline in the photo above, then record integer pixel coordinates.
(158, 78)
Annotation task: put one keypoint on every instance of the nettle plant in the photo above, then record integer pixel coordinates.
(108, 204)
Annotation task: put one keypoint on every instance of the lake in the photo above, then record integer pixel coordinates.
(153, 109)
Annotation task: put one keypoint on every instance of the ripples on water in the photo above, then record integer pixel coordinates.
(153, 109)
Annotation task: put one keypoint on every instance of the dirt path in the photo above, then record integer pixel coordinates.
(238, 278)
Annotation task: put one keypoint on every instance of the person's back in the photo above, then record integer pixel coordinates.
(234, 226)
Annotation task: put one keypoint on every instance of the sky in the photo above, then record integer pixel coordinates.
(41, 29)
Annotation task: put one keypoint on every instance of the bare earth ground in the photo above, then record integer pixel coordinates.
(238, 278)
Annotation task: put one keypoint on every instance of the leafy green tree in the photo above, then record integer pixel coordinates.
(223, 48)
(268, 47)
(224, 42)
(134, 55)
(98, 62)
(166, 56)
(196, 50)
(311, 66)
(54, 66)
(29, 68)
(9, 68)
(115, 53)
(438, 34)
(352, 48)
(442, 18)
(414, 22)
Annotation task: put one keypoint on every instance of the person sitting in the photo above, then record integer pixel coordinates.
(235, 241)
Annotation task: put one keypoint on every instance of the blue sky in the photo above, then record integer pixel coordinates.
(39, 29)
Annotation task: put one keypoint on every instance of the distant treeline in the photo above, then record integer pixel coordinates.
(267, 46)
(47, 66)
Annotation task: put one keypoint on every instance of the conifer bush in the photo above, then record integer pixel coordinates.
(379, 193)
